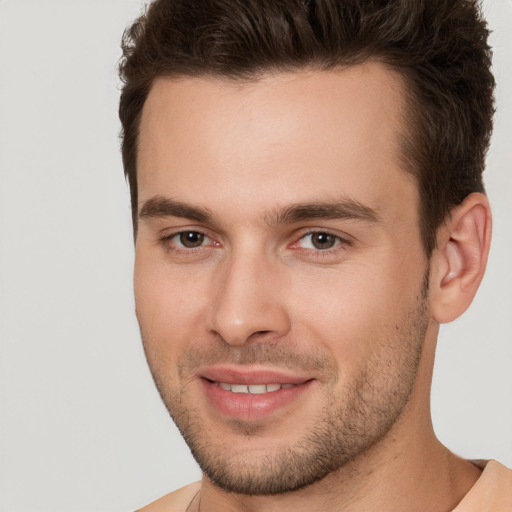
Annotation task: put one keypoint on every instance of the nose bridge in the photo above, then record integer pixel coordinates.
(248, 301)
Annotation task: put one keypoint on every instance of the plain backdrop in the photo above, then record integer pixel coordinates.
(82, 428)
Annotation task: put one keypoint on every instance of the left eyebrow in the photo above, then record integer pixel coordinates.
(346, 209)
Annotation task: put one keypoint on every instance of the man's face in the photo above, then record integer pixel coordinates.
(280, 281)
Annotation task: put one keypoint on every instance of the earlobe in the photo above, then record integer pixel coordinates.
(460, 258)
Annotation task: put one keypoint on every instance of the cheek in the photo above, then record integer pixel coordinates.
(169, 305)
(349, 311)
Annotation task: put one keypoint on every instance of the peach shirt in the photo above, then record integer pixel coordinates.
(492, 491)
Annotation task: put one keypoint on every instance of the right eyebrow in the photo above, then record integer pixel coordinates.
(161, 207)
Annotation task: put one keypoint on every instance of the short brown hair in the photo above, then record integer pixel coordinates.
(439, 47)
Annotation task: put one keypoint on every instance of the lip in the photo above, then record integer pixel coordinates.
(252, 375)
(251, 407)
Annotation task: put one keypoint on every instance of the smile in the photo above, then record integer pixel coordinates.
(252, 395)
(253, 389)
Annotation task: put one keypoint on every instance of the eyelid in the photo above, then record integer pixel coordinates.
(167, 239)
(342, 237)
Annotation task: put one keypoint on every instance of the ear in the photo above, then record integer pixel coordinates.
(458, 263)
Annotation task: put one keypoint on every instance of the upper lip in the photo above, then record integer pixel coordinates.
(251, 375)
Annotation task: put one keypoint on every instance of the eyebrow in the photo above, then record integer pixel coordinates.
(161, 207)
(344, 209)
(349, 209)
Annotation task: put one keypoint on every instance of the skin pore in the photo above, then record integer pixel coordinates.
(278, 242)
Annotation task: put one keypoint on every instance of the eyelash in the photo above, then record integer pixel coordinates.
(341, 243)
(166, 242)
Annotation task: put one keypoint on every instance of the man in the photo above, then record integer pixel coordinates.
(308, 208)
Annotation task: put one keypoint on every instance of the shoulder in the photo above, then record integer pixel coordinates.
(492, 492)
(176, 501)
(498, 477)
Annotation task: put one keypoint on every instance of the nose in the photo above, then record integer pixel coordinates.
(249, 305)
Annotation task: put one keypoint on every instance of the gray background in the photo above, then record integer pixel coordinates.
(82, 428)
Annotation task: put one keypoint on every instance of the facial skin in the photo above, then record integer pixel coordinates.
(278, 242)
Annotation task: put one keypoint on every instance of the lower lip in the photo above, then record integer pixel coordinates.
(247, 407)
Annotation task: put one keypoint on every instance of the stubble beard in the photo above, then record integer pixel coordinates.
(344, 431)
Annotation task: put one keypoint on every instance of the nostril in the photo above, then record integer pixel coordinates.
(260, 336)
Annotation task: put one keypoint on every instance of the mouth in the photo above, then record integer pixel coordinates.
(252, 394)
(253, 389)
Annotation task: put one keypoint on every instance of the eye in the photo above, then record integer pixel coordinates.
(319, 241)
(186, 240)
(191, 239)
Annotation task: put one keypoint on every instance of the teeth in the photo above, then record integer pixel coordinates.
(254, 389)
(257, 389)
(239, 388)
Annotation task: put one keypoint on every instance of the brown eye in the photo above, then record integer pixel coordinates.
(191, 239)
(323, 240)
(320, 241)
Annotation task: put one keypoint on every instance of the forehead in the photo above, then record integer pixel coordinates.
(285, 137)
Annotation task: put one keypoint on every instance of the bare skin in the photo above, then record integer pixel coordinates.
(232, 288)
